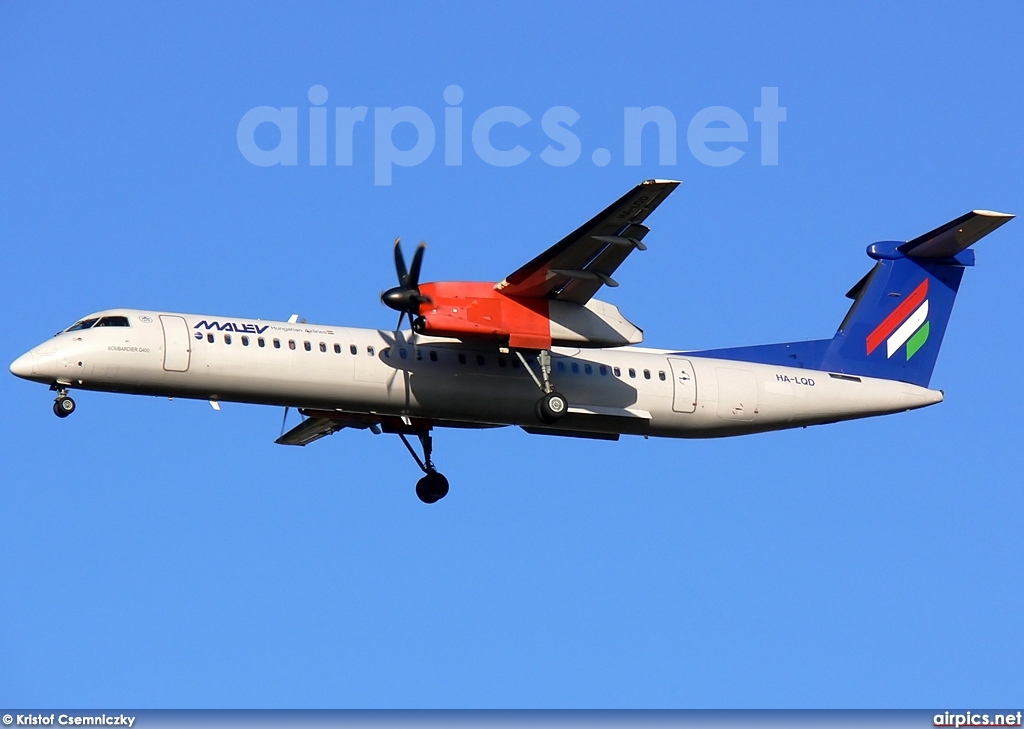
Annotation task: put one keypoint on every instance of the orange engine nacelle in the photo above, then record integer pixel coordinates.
(475, 309)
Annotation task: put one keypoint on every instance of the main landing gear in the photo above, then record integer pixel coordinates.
(63, 406)
(552, 405)
(433, 486)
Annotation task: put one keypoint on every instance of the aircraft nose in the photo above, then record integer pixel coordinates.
(24, 366)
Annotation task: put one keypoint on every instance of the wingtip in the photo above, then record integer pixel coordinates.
(662, 182)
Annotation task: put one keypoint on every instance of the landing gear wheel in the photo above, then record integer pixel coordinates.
(432, 488)
(63, 406)
(551, 407)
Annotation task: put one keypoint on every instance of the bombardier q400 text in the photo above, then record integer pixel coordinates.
(535, 350)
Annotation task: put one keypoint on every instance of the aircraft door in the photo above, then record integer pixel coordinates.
(684, 383)
(177, 343)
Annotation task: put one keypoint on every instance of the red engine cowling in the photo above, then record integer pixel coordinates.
(474, 309)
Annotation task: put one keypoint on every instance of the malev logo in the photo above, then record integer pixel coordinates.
(908, 324)
(230, 326)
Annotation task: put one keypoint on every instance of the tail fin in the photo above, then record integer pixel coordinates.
(901, 307)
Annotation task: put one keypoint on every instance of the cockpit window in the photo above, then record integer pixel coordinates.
(113, 321)
(84, 324)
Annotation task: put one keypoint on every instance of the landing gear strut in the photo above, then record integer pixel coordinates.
(63, 406)
(552, 404)
(433, 486)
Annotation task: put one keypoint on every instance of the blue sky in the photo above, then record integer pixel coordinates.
(159, 554)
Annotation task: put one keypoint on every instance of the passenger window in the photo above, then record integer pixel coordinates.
(433, 356)
(386, 352)
(245, 341)
(603, 370)
(632, 372)
(209, 338)
(647, 374)
(616, 371)
(307, 346)
(402, 352)
(661, 375)
(462, 358)
(323, 347)
(112, 321)
(227, 339)
(337, 349)
(575, 368)
(588, 369)
(480, 359)
(277, 344)
(369, 350)
(262, 342)
(352, 348)
(419, 353)
(561, 366)
(291, 344)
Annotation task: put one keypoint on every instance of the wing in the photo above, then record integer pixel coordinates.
(581, 263)
(321, 424)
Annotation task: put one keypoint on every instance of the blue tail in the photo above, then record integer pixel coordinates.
(900, 308)
(899, 315)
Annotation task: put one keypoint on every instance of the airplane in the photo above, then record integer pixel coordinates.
(535, 350)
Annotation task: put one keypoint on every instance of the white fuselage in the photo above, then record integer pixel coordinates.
(368, 371)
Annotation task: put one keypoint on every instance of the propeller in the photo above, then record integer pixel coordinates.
(406, 297)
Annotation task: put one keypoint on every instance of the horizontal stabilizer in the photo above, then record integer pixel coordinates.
(900, 309)
(956, 235)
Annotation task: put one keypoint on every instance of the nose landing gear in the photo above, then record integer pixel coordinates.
(63, 406)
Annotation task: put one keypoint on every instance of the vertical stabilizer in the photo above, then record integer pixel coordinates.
(902, 306)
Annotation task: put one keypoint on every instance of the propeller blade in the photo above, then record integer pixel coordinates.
(406, 298)
(413, 282)
(284, 420)
(401, 315)
(403, 272)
